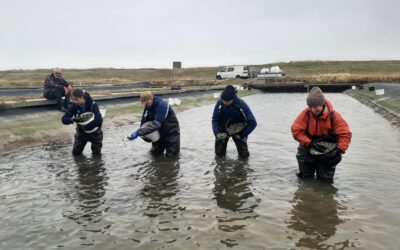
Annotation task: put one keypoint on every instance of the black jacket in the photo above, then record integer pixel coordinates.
(52, 82)
(76, 110)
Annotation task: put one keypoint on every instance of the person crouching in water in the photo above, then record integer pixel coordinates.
(231, 110)
(158, 115)
(86, 131)
(315, 124)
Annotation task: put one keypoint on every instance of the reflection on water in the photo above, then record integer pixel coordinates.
(159, 191)
(160, 186)
(88, 192)
(232, 192)
(315, 214)
(127, 199)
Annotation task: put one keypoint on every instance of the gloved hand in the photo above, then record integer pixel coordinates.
(133, 136)
(221, 136)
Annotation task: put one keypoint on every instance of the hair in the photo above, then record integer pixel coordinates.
(78, 93)
(144, 96)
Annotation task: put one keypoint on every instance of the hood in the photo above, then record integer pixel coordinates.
(89, 102)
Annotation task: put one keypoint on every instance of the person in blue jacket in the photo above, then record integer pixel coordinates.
(229, 111)
(158, 115)
(85, 132)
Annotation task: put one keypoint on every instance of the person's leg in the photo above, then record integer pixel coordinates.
(157, 148)
(55, 94)
(172, 145)
(326, 173)
(307, 165)
(241, 146)
(97, 142)
(220, 146)
(79, 144)
(170, 135)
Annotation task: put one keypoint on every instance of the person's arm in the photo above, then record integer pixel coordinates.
(215, 118)
(342, 131)
(67, 117)
(299, 129)
(251, 121)
(65, 83)
(162, 110)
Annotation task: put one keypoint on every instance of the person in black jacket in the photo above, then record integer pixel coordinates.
(89, 131)
(231, 110)
(55, 87)
(158, 115)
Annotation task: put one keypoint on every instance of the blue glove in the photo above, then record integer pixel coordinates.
(133, 136)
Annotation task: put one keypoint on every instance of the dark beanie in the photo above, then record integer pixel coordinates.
(229, 93)
(315, 97)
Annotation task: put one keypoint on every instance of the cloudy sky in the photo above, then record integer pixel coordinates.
(133, 34)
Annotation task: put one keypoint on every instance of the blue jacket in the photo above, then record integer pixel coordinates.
(236, 111)
(157, 114)
(76, 110)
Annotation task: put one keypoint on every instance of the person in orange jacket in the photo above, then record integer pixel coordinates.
(313, 125)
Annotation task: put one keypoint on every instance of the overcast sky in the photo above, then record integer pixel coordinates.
(133, 34)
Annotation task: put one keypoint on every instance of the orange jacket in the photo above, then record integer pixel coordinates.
(320, 126)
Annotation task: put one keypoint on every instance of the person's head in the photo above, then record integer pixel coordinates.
(146, 98)
(78, 96)
(316, 100)
(57, 72)
(228, 94)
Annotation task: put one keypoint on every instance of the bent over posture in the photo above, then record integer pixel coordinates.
(323, 135)
(158, 116)
(232, 117)
(86, 114)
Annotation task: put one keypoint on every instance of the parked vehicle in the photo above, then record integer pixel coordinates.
(237, 71)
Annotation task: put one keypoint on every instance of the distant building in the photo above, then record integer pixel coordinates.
(176, 65)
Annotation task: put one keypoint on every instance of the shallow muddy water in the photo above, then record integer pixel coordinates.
(126, 199)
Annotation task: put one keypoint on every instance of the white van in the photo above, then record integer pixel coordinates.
(238, 71)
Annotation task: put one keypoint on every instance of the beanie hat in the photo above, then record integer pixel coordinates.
(315, 97)
(229, 93)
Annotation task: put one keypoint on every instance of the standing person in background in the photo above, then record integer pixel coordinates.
(55, 87)
(317, 128)
(232, 112)
(88, 127)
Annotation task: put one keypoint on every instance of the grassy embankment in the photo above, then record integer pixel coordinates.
(389, 104)
(304, 71)
(342, 71)
(20, 131)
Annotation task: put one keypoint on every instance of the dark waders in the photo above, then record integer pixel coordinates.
(82, 138)
(241, 146)
(170, 137)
